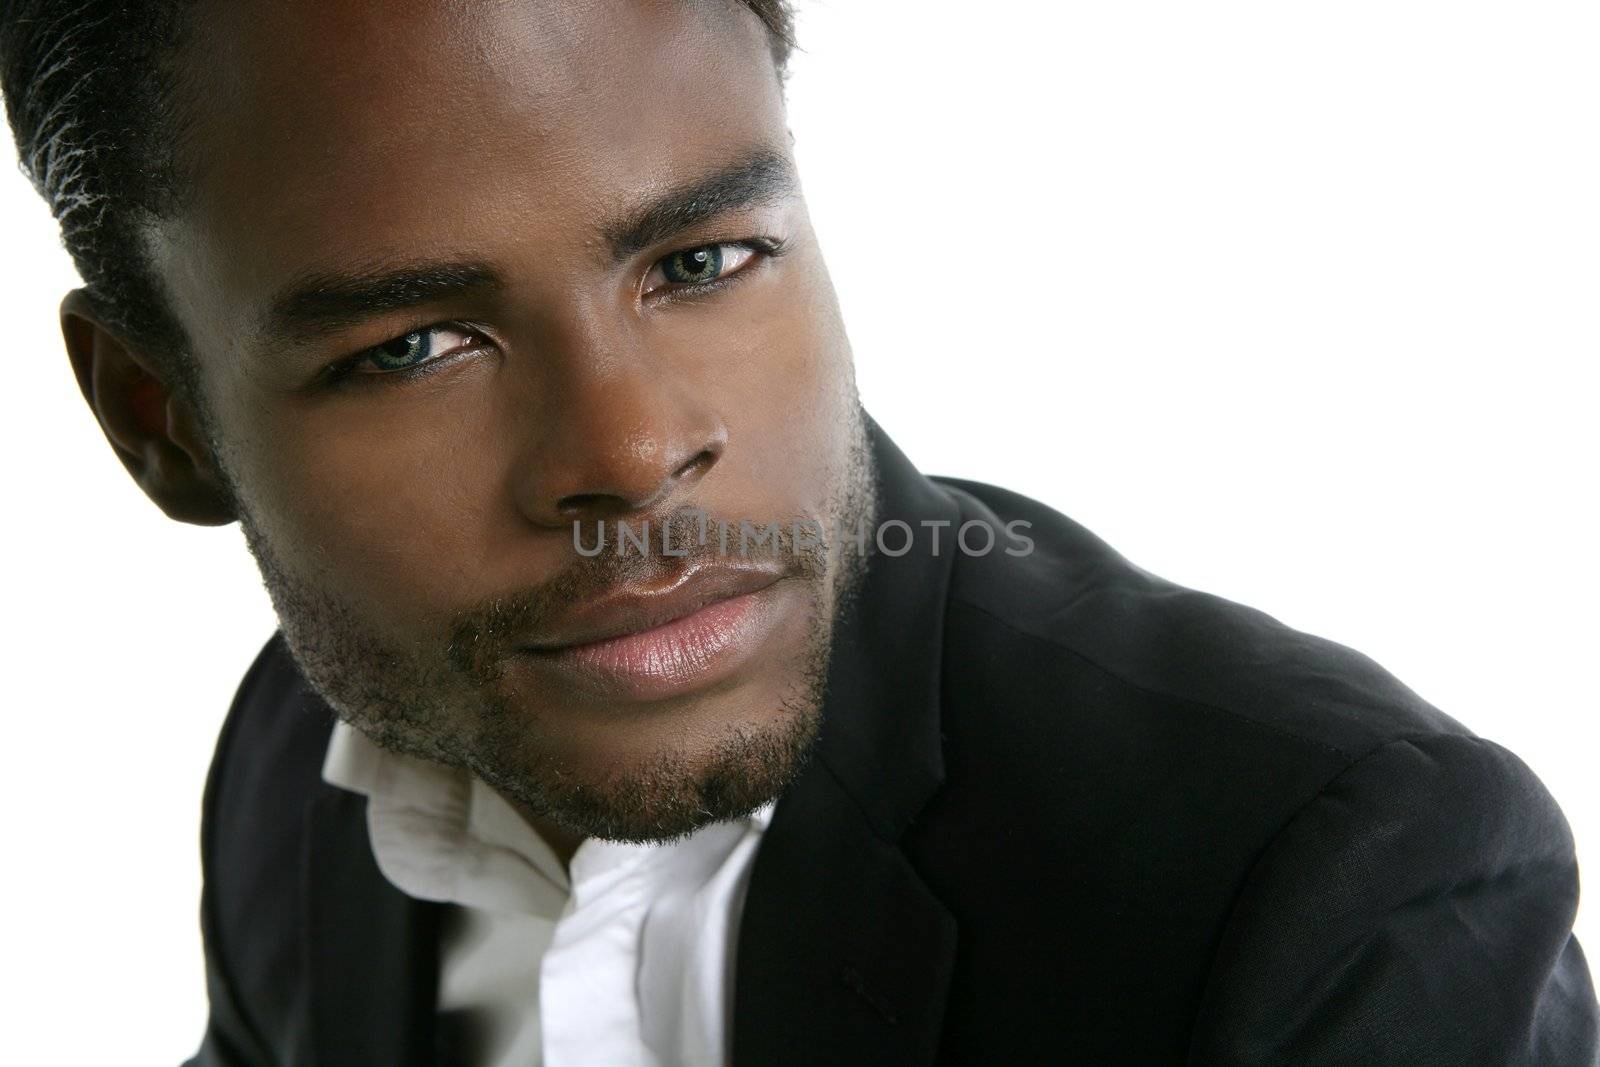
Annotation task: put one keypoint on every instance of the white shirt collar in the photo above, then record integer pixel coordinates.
(441, 833)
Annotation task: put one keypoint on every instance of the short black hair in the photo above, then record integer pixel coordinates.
(88, 86)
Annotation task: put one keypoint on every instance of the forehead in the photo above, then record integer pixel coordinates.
(327, 128)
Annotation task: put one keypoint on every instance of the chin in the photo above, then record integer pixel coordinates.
(706, 761)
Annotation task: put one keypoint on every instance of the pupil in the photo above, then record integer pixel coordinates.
(404, 345)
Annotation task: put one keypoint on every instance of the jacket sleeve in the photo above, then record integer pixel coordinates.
(1417, 912)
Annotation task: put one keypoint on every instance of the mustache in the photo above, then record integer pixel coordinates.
(482, 634)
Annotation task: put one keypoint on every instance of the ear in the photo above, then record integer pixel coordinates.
(151, 426)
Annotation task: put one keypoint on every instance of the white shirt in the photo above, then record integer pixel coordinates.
(627, 963)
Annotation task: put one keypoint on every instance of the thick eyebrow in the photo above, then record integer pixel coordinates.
(762, 178)
(322, 303)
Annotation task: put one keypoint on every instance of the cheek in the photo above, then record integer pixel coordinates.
(779, 371)
(386, 510)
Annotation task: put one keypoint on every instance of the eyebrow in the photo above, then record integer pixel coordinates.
(762, 178)
(325, 302)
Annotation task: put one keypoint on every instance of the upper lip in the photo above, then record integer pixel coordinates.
(633, 609)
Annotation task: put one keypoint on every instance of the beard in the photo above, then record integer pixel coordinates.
(441, 697)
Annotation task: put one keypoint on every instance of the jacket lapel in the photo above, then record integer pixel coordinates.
(371, 951)
(844, 955)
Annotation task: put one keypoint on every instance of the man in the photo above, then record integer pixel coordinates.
(636, 700)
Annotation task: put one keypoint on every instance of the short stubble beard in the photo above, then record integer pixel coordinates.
(426, 703)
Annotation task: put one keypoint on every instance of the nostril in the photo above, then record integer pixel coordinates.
(603, 504)
(696, 466)
(580, 505)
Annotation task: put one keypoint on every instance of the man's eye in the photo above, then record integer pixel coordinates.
(414, 349)
(699, 266)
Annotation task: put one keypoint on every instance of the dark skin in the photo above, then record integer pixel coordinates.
(505, 159)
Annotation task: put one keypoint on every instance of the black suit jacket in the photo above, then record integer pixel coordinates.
(1062, 811)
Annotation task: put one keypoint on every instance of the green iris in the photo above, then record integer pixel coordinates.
(403, 352)
(694, 266)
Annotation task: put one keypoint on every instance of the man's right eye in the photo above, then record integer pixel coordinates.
(413, 350)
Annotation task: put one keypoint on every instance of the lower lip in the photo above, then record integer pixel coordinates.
(675, 658)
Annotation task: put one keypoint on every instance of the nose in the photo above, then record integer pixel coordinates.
(616, 442)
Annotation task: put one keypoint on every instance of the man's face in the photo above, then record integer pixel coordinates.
(461, 275)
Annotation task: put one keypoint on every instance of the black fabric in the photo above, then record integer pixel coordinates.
(1062, 811)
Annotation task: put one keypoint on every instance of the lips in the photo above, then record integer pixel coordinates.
(632, 610)
(650, 643)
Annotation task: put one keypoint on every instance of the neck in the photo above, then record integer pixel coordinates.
(562, 842)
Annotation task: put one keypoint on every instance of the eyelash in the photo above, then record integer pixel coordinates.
(346, 370)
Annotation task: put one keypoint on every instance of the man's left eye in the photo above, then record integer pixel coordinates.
(698, 266)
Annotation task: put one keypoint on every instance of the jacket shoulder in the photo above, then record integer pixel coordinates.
(1418, 910)
(269, 752)
(1119, 754)
(1075, 600)
(266, 768)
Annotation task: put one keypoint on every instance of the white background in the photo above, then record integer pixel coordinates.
(1293, 303)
